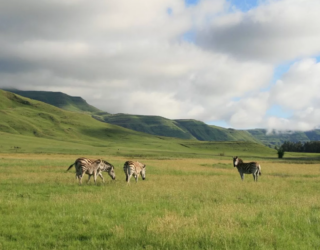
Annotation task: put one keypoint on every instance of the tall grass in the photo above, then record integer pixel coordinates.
(182, 204)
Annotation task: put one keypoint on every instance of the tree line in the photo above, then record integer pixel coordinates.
(309, 147)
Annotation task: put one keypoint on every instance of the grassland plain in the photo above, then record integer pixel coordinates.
(184, 203)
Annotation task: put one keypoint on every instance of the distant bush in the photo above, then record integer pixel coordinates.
(280, 152)
(308, 147)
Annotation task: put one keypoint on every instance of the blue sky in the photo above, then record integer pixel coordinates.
(243, 5)
(240, 64)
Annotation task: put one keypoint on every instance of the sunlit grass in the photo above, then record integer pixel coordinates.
(182, 204)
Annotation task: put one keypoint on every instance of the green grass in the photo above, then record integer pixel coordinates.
(183, 204)
(193, 197)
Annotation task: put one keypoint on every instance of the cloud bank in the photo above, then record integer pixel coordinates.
(133, 57)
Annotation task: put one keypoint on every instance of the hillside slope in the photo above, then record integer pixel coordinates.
(184, 129)
(204, 132)
(276, 138)
(58, 99)
(156, 125)
(24, 116)
(30, 126)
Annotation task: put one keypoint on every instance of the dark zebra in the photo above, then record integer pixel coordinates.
(91, 167)
(134, 168)
(253, 168)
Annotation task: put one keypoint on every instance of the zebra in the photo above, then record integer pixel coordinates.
(91, 167)
(253, 168)
(134, 168)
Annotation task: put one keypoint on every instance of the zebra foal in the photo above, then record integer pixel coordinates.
(91, 167)
(253, 168)
(134, 168)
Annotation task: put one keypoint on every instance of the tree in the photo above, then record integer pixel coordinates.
(280, 152)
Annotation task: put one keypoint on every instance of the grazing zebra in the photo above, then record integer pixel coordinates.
(92, 167)
(253, 168)
(134, 168)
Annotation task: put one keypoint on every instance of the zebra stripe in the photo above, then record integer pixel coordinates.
(91, 167)
(134, 168)
(253, 168)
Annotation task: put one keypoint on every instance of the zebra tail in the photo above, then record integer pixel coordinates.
(70, 166)
(128, 172)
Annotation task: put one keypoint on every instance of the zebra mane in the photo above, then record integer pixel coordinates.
(108, 165)
(240, 160)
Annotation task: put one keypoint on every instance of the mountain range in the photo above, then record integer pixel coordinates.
(160, 126)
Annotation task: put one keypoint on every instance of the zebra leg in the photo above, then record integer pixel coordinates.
(257, 174)
(101, 176)
(254, 176)
(80, 179)
(128, 178)
(95, 177)
(89, 178)
(242, 175)
(136, 176)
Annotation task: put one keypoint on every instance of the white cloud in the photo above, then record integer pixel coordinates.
(299, 87)
(274, 32)
(130, 57)
(298, 91)
(249, 112)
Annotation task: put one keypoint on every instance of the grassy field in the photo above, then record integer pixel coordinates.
(184, 203)
(192, 198)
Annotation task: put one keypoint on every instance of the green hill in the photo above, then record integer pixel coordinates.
(275, 138)
(313, 135)
(24, 116)
(58, 99)
(184, 129)
(181, 128)
(155, 125)
(28, 125)
(203, 132)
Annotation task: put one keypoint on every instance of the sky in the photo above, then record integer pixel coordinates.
(233, 63)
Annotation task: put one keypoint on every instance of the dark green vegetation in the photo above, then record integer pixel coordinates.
(275, 138)
(58, 99)
(309, 147)
(154, 125)
(183, 128)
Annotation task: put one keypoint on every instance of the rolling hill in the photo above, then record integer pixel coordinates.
(181, 128)
(28, 125)
(275, 138)
(58, 99)
(184, 129)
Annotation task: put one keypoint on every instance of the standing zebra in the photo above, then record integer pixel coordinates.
(92, 167)
(253, 168)
(134, 168)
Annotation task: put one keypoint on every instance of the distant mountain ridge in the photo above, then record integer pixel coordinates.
(275, 138)
(179, 128)
(58, 99)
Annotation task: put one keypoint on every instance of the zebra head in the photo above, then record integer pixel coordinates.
(109, 168)
(112, 173)
(143, 172)
(235, 161)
